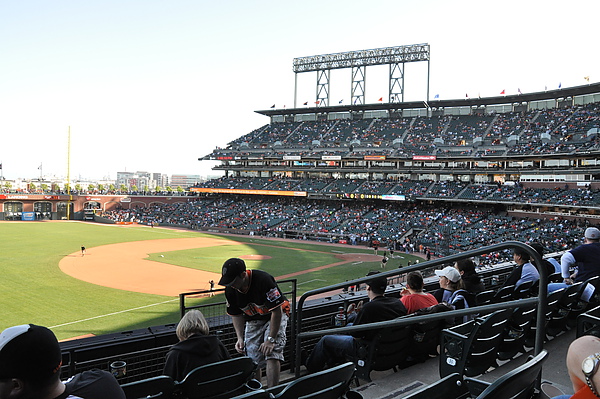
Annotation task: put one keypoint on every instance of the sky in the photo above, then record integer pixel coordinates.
(148, 85)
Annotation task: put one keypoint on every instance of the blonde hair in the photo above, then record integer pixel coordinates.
(193, 322)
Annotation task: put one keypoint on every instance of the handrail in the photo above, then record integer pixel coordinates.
(541, 300)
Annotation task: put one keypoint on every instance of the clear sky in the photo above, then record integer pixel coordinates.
(153, 85)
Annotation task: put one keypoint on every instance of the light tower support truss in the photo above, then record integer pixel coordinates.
(359, 77)
(396, 57)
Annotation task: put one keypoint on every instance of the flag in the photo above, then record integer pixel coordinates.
(318, 102)
(503, 92)
(587, 78)
(273, 106)
(436, 96)
(519, 91)
(466, 95)
(341, 101)
(306, 103)
(380, 99)
(560, 85)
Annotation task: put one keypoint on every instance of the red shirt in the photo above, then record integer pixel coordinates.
(414, 302)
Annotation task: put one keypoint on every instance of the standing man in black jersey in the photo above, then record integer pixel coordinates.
(259, 312)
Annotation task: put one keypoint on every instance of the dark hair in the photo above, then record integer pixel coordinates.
(467, 266)
(538, 247)
(414, 280)
(522, 253)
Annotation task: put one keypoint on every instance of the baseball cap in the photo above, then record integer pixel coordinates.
(29, 352)
(449, 272)
(379, 283)
(231, 269)
(592, 233)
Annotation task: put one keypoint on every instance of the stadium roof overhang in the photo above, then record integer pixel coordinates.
(468, 102)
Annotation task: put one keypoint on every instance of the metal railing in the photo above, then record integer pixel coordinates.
(541, 299)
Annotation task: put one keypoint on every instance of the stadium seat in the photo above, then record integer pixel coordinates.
(389, 348)
(471, 348)
(218, 380)
(155, 387)
(518, 383)
(327, 384)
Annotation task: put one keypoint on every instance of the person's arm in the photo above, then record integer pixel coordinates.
(565, 263)
(238, 326)
(578, 350)
(513, 277)
(276, 315)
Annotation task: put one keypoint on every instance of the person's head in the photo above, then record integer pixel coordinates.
(520, 256)
(592, 234)
(377, 285)
(539, 248)
(193, 322)
(30, 361)
(233, 274)
(414, 280)
(465, 267)
(449, 278)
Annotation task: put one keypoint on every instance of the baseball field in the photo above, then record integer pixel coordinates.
(130, 276)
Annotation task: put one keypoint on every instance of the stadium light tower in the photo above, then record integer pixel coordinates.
(395, 57)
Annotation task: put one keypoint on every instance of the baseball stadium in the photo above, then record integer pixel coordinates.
(319, 197)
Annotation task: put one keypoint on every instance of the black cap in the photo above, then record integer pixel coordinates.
(379, 283)
(29, 352)
(231, 269)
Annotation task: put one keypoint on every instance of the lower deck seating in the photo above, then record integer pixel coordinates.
(519, 383)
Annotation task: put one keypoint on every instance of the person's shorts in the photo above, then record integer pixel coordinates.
(256, 333)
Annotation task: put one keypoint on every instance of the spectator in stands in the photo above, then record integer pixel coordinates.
(585, 257)
(413, 297)
(30, 362)
(550, 268)
(334, 349)
(470, 279)
(523, 272)
(195, 348)
(452, 292)
(582, 364)
(259, 312)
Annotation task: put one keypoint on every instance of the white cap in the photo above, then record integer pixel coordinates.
(450, 273)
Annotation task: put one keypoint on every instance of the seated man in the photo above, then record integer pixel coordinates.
(523, 272)
(334, 349)
(413, 297)
(30, 361)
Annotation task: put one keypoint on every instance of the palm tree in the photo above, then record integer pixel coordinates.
(112, 188)
(157, 189)
(91, 188)
(44, 187)
(78, 187)
(8, 186)
(169, 189)
(101, 188)
(122, 188)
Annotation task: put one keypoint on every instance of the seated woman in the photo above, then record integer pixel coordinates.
(452, 291)
(195, 347)
(413, 298)
(470, 279)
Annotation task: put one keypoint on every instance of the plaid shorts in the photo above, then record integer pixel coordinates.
(256, 333)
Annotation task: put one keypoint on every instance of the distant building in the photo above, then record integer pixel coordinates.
(184, 181)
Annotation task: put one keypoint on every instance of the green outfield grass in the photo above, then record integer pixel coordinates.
(34, 290)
